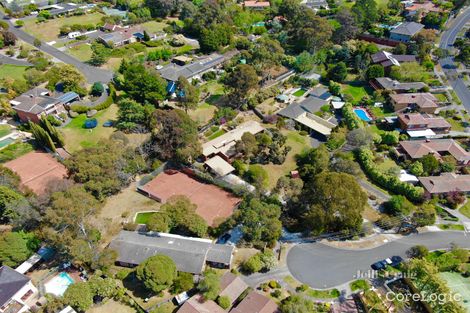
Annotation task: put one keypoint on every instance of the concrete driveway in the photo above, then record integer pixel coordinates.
(323, 267)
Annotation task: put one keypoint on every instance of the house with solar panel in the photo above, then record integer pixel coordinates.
(40, 102)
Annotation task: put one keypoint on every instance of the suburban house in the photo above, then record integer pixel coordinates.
(416, 149)
(386, 83)
(67, 309)
(302, 113)
(122, 37)
(231, 286)
(218, 166)
(16, 291)
(224, 146)
(108, 27)
(387, 59)
(191, 69)
(421, 102)
(321, 93)
(405, 31)
(256, 302)
(445, 183)
(39, 102)
(197, 304)
(65, 8)
(418, 122)
(256, 5)
(421, 8)
(190, 254)
(316, 4)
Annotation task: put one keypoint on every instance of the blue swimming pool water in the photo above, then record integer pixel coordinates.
(362, 115)
(58, 284)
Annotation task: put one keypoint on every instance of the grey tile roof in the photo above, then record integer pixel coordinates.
(173, 71)
(189, 254)
(292, 111)
(34, 101)
(10, 283)
(320, 92)
(407, 28)
(312, 104)
(390, 84)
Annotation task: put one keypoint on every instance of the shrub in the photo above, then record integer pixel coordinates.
(224, 302)
(352, 120)
(122, 274)
(130, 226)
(276, 293)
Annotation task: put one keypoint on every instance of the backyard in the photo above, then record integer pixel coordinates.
(356, 89)
(4, 130)
(12, 71)
(143, 217)
(298, 143)
(49, 31)
(203, 113)
(153, 26)
(78, 137)
(14, 151)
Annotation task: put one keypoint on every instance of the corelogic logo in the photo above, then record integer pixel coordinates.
(441, 298)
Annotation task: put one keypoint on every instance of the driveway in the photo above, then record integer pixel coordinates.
(323, 267)
(92, 74)
(447, 40)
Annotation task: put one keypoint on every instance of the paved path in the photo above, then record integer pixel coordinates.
(91, 73)
(371, 189)
(8, 60)
(323, 267)
(447, 40)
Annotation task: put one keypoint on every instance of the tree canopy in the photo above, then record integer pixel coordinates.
(157, 273)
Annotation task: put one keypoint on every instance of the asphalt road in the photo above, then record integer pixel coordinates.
(323, 267)
(447, 40)
(92, 74)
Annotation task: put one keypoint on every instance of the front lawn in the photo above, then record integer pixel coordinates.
(81, 52)
(4, 130)
(15, 150)
(465, 209)
(360, 284)
(143, 217)
(456, 125)
(299, 92)
(323, 294)
(49, 30)
(357, 90)
(459, 227)
(78, 137)
(12, 71)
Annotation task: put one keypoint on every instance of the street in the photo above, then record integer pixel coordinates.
(322, 266)
(92, 74)
(447, 39)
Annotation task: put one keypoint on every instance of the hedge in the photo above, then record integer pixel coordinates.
(352, 120)
(103, 105)
(389, 182)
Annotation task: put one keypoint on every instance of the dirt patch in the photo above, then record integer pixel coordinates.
(111, 306)
(121, 208)
(243, 254)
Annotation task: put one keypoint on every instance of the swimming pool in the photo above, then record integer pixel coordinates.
(58, 284)
(5, 142)
(363, 115)
(259, 24)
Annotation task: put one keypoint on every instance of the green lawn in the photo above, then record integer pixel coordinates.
(143, 217)
(356, 90)
(4, 130)
(14, 151)
(298, 143)
(465, 209)
(81, 52)
(456, 125)
(323, 294)
(203, 114)
(360, 284)
(77, 137)
(153, 26)
(12, 71)
(49, 31)
(386, 165)
(216, 134)
(451, 227)
(300, 92)
(440, 97)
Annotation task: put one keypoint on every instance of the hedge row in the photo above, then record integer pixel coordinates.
(103, 105)
(389, 182)
(352, 120)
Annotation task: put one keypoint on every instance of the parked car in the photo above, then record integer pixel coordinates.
(396, 260)
(380, 265)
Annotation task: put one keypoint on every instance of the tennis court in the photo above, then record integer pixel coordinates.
(458, 285)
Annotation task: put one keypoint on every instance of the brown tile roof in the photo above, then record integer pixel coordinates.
(422, 100)
(255, 302)
(196, 304)
(445, 183)
(256, 4)
(410, 119)
(419, 148)
(425, 7)
(232, 286)
(388, 59)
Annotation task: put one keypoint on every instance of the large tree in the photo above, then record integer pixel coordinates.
(309, 32)
(313, 162)
(132, 116)
(174, 136)
(348, 28)
(188, 95)
(157, 273)
(68, 76)
(336, 202)
(241, 82)
(366, 12)
(16, 247)
(209, 286)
